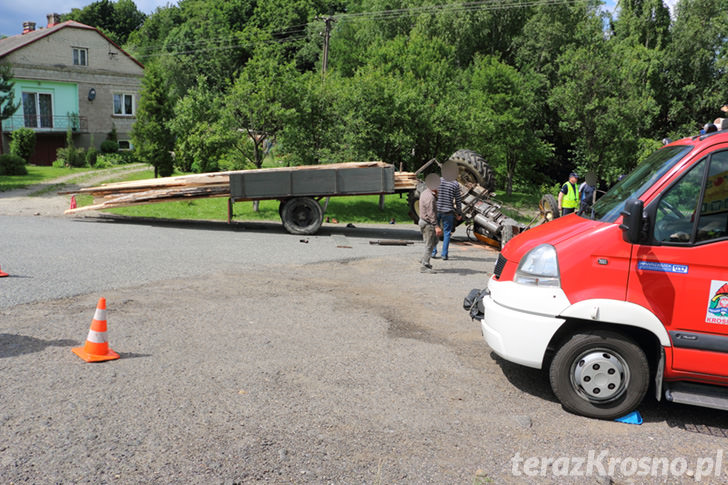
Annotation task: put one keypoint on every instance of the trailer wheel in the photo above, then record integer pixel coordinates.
(302, 215)
(473, 169)
(548, 207)
(600, 374)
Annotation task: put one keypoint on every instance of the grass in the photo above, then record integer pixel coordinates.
(520, 206)
(36, 175)
(355, 209)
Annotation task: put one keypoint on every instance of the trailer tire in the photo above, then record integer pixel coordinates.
(302, 215)
(600, 374)
(548, 207)
(472, 168)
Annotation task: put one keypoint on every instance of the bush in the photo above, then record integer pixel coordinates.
(12, 165)
(103, 163)
(71, 156)
(92, 155)
(109, 146)
(22, 143)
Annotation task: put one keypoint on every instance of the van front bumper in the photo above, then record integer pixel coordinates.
(520, 335)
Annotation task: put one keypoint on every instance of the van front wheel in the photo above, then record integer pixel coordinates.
(600, 374)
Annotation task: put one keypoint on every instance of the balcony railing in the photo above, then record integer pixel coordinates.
(56, 123)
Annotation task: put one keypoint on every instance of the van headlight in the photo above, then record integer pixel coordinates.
(539, 267)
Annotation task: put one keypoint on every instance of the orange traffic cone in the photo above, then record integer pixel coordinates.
(97, 348)
(3, 274)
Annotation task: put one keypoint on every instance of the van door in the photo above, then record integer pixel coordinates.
(682, 273)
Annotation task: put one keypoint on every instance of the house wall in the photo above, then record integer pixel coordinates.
(109, 71)
(64, 98)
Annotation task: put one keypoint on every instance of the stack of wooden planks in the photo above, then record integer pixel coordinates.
(405, 181)
(185, 187)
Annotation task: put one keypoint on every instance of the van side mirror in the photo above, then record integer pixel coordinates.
(631, 225)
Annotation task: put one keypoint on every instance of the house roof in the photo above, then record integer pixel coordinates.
(15, 42)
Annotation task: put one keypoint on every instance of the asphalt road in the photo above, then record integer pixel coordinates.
(249, 356)
(51, 257)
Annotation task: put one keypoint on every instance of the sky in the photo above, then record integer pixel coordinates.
(14, 12)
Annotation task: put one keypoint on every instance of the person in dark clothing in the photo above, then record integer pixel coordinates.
(448, 205)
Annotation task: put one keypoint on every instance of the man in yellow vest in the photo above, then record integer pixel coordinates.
(569, 195)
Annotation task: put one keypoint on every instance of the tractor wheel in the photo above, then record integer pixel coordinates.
(413, 202)
(473, 169)
(548, 207)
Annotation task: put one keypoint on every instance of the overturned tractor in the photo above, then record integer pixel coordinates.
(481, 212)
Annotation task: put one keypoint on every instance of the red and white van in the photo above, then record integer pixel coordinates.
(635, 293)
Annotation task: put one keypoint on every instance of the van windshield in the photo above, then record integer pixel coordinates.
(610, 205)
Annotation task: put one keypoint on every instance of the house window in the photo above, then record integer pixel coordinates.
(125, 145)
(37, 110)
(80, 56)
(124, 104)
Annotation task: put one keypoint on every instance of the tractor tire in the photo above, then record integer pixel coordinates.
(413, 202)
(548, 207)
(302, 215)
(473, 169)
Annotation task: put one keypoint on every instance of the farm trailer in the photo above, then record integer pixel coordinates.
(300, 190)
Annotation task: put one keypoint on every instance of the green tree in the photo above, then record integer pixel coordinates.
(153, 141)
(607, 105)
(646, 22)
(258, 104)
(550, 32)
(202, 140)
(8, 106)
(499, 99)
(312, 133)
(696, 64)
(116, 19)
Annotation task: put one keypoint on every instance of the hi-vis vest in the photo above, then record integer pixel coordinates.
(571, 199)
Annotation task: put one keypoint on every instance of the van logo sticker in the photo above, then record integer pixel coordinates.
(662, 267)
(718, 303)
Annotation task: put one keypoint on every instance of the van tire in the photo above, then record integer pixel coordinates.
(615, 364)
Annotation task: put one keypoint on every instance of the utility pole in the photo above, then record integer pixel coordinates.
(328, 22)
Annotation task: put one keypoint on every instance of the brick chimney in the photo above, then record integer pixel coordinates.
(53, 19)
(28, 27)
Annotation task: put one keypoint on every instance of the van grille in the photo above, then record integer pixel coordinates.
(499, 264)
